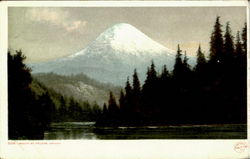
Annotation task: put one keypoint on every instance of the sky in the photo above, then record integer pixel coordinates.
(46, 33)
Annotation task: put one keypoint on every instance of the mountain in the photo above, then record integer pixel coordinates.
(113, 56)
(80, 87)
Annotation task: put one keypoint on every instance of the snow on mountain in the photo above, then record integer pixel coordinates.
(113, 56)
(127, 39)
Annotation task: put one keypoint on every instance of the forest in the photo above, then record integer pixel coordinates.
(32, 106)
(213, 92)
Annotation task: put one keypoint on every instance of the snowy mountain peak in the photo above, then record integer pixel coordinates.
(126, 39)
(122, 30)
(113, 56)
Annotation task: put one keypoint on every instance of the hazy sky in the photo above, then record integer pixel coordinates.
(49, 33)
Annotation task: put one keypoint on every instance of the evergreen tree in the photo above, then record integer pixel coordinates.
(18, 94)
(201, 60)
(152, 72)
(86, 111)
(112, 107)
(164, 94)
(151, 75)
(128, 97)
(244, 38)
(71, 108)
(165, 74)
(185, 60)
(216, 43)
(243, 78)
(136, 92)
(186, 72)
(122, 101)
(78, 111)
(136, 84)
(150, 93)
(96, 112)
(105, 108)
(74, 111)
(238, 46)
(62, 109)
(228, 51)
(28, 114)
(47, 110)
(178, 66)
(244, 47)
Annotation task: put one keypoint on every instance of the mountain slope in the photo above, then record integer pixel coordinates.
(112, 56)
(80, 87)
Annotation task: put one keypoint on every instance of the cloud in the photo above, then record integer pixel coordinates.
(56, 17)
(76, 25)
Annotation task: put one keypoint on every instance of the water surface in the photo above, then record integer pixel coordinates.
(87, 130)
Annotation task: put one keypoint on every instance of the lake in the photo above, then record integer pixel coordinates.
(87, 130)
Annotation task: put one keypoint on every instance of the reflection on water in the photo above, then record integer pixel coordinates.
(86, 130)
(70, 130)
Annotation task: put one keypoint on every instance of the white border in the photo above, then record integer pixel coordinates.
(125, 3)
(108, 149)
(3, 77)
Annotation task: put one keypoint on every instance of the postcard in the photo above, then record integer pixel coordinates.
(124, 79)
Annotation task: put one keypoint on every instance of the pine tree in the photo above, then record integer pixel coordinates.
(28, 114)
(136, 92)
(164, 81)
(152, 72)
(244, 39)
(201, 60)
(62, 109)
(149, 91)
(18, 84)
(96, 111)
(47, 110)
(164, 93)
(244, 47)
(71, 105)
(78, 111)
(128, 88)
(178, 66)
(72, 109)
(216, 43)
(128, 97)
(228, 51)
(122, 101)
(136, 83)
(238, 46)
(151, 80)
(186, 69)
(165, 74)
(105, 110)
(112, 107)
(185, 61)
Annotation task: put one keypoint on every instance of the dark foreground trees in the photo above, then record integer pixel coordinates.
(29, 115)
(32, 106)
(213, 92)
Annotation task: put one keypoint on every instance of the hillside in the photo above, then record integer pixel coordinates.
(80, 87)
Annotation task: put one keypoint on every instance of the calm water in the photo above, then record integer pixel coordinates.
(86, 130)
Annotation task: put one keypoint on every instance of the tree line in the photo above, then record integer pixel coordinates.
(72, 110)
(32, 106)
(214, 91)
